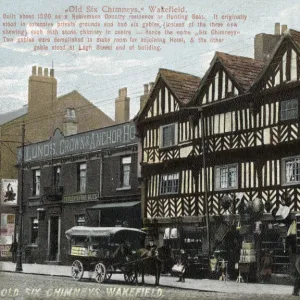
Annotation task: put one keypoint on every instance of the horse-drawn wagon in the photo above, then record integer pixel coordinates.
(105, 250)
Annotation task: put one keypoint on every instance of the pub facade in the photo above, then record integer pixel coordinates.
(82, 179)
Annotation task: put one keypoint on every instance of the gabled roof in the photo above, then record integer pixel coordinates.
(11, 115)
(183, 85)
(76, 93)
(294, 37)
(243, 69)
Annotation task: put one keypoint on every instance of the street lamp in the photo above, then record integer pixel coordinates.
(205, 179)
(19, 267)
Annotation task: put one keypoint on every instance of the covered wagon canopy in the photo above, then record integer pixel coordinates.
(123, 232)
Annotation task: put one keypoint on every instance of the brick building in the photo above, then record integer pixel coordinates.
(88, 179)
(44, 113)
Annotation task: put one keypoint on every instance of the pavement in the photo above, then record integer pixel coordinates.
(166, 281)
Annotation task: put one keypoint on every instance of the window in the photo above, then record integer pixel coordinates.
(168, 135)
(169, 184)
(79, 220)
(34, 230)
(57, 177)
(81, 178)
(70, 113)
(125, 171)
(289, 109)
(226, 177)
(36, 182)
(291, 169)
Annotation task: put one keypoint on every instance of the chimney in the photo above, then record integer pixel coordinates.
(265, 43)
(42, 89)
(151, 86)
(70, 122)
(144, 97)
(284, 29)
(122, 106)
(42, 93)
(277, 28)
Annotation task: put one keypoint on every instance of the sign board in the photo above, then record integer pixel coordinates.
(9, 190)
(80, 198)
(59, 145)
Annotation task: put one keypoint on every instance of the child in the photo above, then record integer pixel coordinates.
(182, 261)
(266, 270)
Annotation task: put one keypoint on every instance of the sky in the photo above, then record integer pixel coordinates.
(98, 75)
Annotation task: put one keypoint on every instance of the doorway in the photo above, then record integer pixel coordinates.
(53, 238)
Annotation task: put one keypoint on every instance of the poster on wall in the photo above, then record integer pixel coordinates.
(9, 190)
(7, 225)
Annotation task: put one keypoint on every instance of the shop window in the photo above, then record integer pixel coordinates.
(291, 170)
(168, 135)
(125, 171)
(36, 189)
(226, 177)
(289, 109)
(81, 178)
(169, 184)
(80, 220)
(34, 230)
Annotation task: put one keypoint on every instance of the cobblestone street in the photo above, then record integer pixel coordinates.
(26, 286)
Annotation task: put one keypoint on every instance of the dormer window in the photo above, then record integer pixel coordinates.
(70, 113)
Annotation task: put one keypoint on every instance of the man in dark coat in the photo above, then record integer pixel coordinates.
(13, 250)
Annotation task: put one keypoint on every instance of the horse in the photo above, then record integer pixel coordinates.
(123, 254)
(151, 260)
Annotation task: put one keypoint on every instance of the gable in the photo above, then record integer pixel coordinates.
(219, 86)
(284, 67)
(162, 102)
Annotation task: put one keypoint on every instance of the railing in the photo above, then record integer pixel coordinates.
(53, 193)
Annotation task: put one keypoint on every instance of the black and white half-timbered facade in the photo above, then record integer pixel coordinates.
(232, 138)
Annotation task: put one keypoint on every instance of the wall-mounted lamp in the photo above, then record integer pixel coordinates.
(41, 213)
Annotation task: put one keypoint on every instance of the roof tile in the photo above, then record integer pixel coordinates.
(182, 84)
(244, 69)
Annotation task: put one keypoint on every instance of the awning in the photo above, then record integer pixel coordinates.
(115, 205)
(101, 231)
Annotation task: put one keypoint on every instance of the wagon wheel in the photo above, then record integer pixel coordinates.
(100, 271)
(77, 270)
(129, 277)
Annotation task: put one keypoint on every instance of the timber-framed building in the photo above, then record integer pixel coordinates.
(231, 137)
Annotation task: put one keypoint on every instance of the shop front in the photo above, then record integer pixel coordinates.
(125, 214)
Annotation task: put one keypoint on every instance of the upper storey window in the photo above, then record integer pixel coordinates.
(226, 177)
(289, 110)
(168, 135)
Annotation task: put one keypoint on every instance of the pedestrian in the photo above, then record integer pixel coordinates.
(182, 265)
(266, 263)
(297, 277)
(13, 250)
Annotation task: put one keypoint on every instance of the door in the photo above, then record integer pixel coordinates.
(54, 239)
